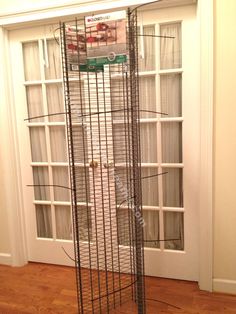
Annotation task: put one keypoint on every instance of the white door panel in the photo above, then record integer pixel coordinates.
(174, 69)
(42, 145)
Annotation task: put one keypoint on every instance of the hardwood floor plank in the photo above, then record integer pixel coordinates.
(50, 289)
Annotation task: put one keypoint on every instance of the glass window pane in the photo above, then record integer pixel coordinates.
(173, 187)
(150, 187)
(53, 71)
(148, 139)
(38, 144)
(58, 143)
(171, 48)
(171, 136)
(171, 94)
(55, 102)
(40, 177)
(63, 222)
(151, 228)
(60, 177)
(174, 230)
(35, 102)
(31, 61)
(147, 61)
(147, 96)
(44, 221)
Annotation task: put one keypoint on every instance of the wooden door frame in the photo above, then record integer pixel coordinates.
(206, 19)
(13, 186)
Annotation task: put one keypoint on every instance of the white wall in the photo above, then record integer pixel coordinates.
(12, 6)
(5, 245)
(10, 195)
(225, 145)
(4, 232)
(4, 139)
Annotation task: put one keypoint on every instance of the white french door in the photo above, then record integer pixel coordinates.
(169, 143)
(37, 77)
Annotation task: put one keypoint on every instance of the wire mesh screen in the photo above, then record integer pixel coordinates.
(102, 115)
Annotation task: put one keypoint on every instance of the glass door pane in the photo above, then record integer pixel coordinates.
(170, 48)
(49, 144)
(151, 229)
(31, 57)
(44, 221)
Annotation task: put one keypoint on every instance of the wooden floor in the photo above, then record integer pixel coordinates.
(44, 289)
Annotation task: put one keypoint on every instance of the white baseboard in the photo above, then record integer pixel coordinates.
(5, 259)
(224, 285)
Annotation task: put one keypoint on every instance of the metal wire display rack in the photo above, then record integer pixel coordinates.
(102, 116)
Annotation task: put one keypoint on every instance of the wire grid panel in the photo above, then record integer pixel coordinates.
(102, 115)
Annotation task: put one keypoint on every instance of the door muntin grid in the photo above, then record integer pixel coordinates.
(161, 136)
(47, 136)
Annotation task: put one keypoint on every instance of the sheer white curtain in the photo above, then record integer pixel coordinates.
(148, 137)
(55, 102)
(147, 94)
(147, 62)
(35, 102)
(171, 98)
(150, 187)
(58, 144)
(44, 221)
(173, 230)
(47, 142)
(148, 134)
(151, 228)
(53, 70)
(171, 48)
(41, 180)
(171, 135)
(31, 61)
(38, 144)
(172, 188)
(60, 178)
(63, 222)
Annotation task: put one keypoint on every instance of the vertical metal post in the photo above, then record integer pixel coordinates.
(71, 166)
(136, 157)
